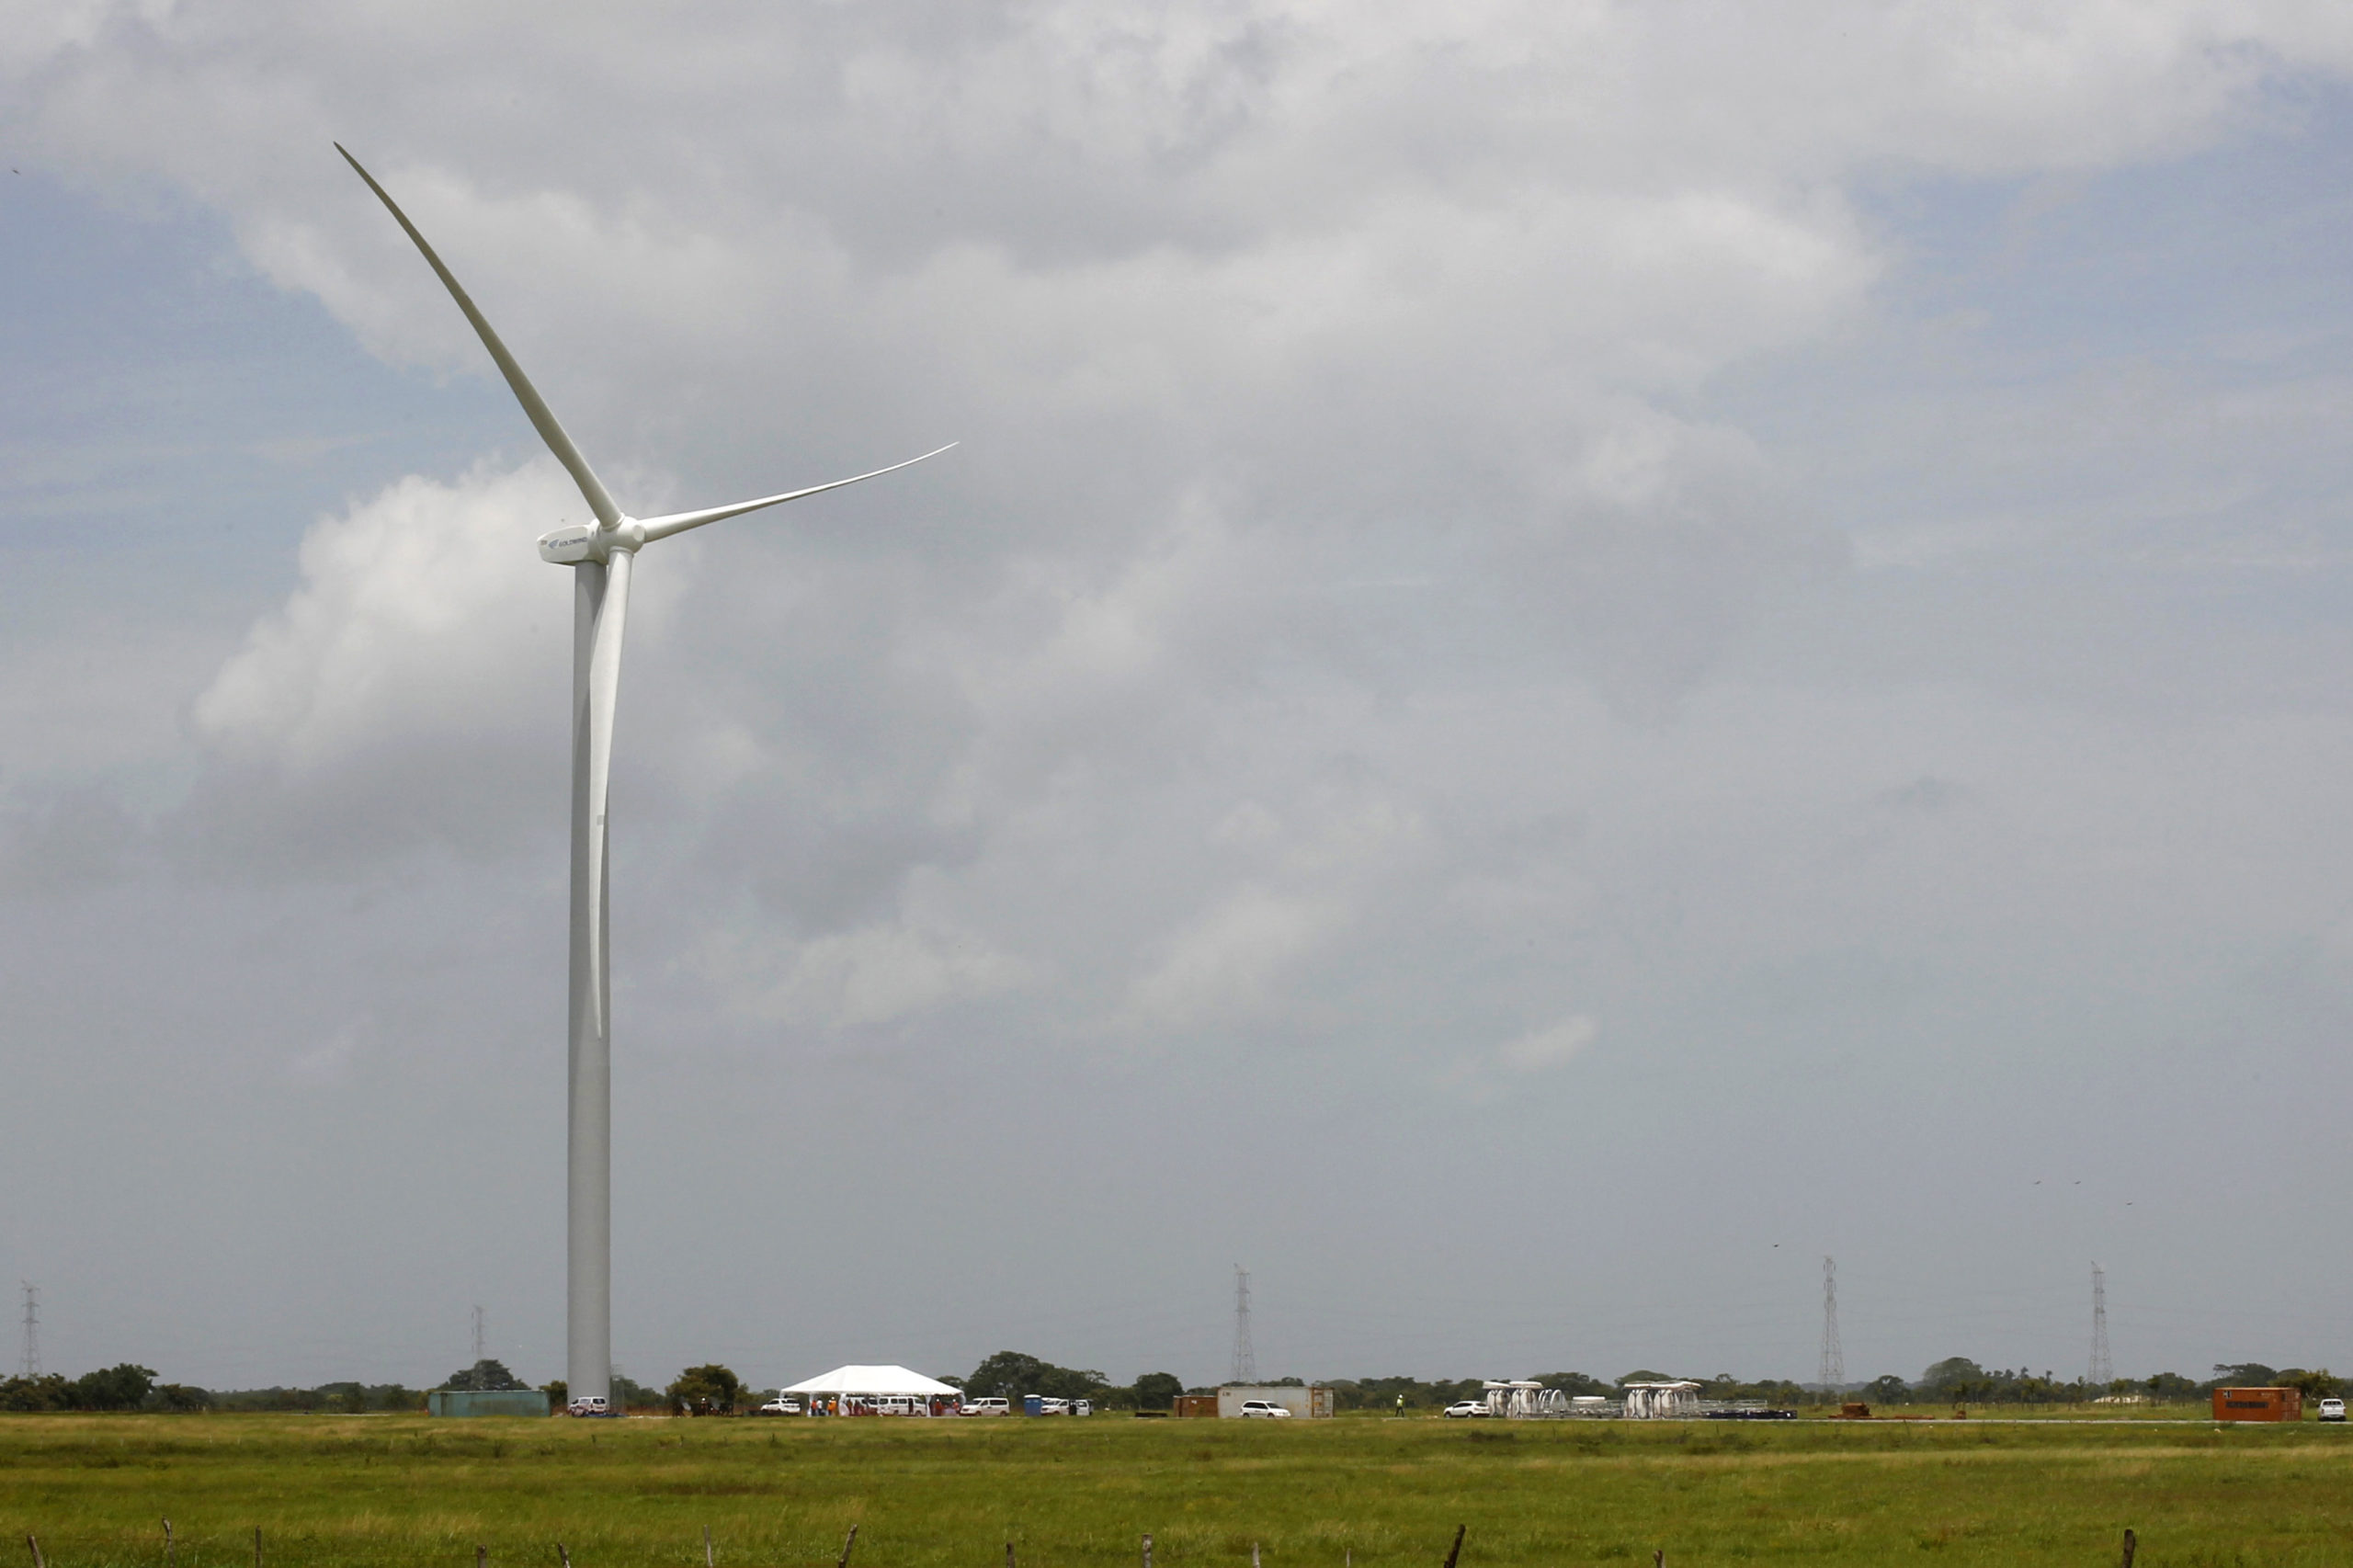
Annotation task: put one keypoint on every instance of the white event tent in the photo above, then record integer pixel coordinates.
(877, 1389)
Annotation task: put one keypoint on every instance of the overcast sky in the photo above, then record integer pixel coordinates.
(1577, 654)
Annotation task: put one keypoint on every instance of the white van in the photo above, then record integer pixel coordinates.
(986, 1407)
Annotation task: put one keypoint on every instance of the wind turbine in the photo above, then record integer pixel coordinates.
(602, 556)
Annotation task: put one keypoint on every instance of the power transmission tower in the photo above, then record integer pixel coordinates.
(481, 1353)
(1833, 1359)
(30, 1366)
(1246, 1359)
(2103, 1369)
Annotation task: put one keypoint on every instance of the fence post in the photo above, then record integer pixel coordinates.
(706, 1559)
(847, 1541)
(1147, 1551)
(1456, 1550)
(482, 1555)
(34, 1542)
(257, 1546)
(2129, 1543)
(561, 1555)
(169, 1556)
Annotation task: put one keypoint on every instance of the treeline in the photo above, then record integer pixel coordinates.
(125, 1387)
(1956, 1379)
(1960, 1380)
(129, 1387)
(1011, 1374)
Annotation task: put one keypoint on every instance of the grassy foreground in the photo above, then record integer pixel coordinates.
(367, 1490)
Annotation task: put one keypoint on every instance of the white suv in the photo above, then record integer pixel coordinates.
(589, 1404)
(1466, 1409)
(781, 1405)
(1266, 1408)
(2332, 1410)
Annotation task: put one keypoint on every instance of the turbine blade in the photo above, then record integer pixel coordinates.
(591, 489)
(679, 522)
(604, 687)
(604, 691)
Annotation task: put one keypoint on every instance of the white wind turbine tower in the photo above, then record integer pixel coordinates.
(601, 556)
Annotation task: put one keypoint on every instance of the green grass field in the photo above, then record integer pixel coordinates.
(1313, 1494)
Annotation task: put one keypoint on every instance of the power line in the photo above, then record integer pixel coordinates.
(481, 1353)
(1833, 1359)
(30, 1366)
(1246, 1359)
(2103, 1369)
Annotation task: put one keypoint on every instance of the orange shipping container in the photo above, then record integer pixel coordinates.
(2258, 1404)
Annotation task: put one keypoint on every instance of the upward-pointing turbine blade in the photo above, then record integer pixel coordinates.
(679, 522)
(591, 488)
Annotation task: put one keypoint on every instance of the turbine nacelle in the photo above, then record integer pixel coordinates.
(576, 544)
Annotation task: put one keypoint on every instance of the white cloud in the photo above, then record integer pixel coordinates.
(1540, 1050)
(1224, 964)
(423, 613)
(329, 1062)
(878, 973)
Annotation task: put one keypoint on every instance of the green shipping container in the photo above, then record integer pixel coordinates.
(486, 1401)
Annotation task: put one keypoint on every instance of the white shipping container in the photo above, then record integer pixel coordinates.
(1311, 1402)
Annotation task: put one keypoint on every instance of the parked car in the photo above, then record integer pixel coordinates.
(1266, 1408)
(591, 1404)
(1082, 1407)
(988, 1406)
(2332, 1410)
(1053, 1408)
(780, 1405)
(1465, 1409)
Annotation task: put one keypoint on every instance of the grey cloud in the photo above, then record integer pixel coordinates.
(1385, 674)
(66, 841)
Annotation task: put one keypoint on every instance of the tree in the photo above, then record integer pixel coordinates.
(1010, 1374)
(1889, 1390)
(2321, 1384)
(1957, 1377)
(121, 1387)
(49, 1391)
(2242, 1375)
(711, 1386)
(484, 1374)
(1158, 1391)
(1572, 1383)
(558, 1393)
